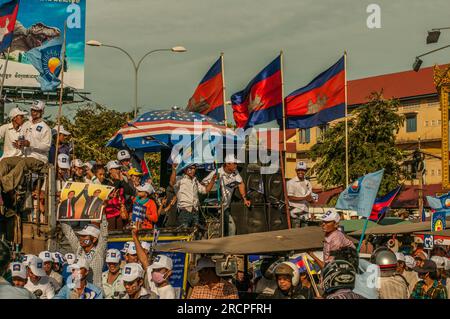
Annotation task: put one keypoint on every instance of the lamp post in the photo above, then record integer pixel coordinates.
(418, 62)
(176, 49)
(434, 34)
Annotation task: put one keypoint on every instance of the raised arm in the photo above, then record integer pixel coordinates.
(71, 236)
(142, 256)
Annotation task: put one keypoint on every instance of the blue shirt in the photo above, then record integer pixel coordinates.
(90, 292)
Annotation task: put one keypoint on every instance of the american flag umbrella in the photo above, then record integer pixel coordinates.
(154, 130)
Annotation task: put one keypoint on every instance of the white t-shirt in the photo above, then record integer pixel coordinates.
(167, 292)
(40, 137)
(9, 135)
(44, 286)
(298, 188)
(228, 183)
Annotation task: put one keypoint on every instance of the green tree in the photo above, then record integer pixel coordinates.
(372, 133)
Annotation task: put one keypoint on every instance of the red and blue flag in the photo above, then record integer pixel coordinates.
(208, 97)
(261, 101)
(381, 205)
(321, 101)
(8, 15)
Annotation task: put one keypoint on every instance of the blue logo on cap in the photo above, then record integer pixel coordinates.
(157, 258)
(47, 254)
(113, 255)
(39, 265)
(16, 267)
(127, 270)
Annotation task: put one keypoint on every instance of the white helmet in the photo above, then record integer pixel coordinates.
(288, 268)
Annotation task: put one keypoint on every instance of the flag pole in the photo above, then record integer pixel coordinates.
(224, 90)
(346, 120)
(363, 234)
(283, 158)
(2, 110)
(58, 120)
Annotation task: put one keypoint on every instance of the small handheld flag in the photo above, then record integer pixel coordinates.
(360, 196)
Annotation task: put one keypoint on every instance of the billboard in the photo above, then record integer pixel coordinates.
(39, 21)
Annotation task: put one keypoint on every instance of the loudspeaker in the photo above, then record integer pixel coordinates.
(255, 188)
(274, 187)
(249, 220)
(277, 218)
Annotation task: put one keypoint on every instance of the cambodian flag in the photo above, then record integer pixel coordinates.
(261, 101)
(321, 101)
(8, 15)
(208, 97)
(381, 205)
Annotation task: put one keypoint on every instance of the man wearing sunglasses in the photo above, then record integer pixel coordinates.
(187, 188)
(133, 281)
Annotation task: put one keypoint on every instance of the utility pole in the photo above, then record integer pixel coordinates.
(420, 172)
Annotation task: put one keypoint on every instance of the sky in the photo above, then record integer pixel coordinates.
(313, 35)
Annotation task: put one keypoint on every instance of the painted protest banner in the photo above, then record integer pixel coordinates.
(82, 201)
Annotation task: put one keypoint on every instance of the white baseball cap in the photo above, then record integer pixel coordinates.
(113, 256)
(71, 258)
(204, 262)
(58, 257)
(88, 165)
(125, 246)
(63, 161)
(38, 105)
(62, 130)
(146, 245)
(331, 216)
(148, 188)
(400, 257)
(46, 256)
(439, 261)
(123, 155)
(36, 266)
(77, 163)
(132, 271)
(90, 230)
(163, 261)
(131, 249)
(112, 165)
(301, 165)
(15, 112)
(81, 263)
(230, 158)
(27, 258)
(18, 270)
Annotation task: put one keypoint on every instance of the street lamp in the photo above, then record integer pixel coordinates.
(418, 62)
(434, 34)
(176, 49)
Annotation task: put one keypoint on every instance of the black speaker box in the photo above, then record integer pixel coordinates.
(249, 220)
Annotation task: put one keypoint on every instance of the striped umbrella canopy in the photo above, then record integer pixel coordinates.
(154, 130)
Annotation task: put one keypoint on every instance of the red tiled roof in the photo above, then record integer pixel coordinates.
(394, 85)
